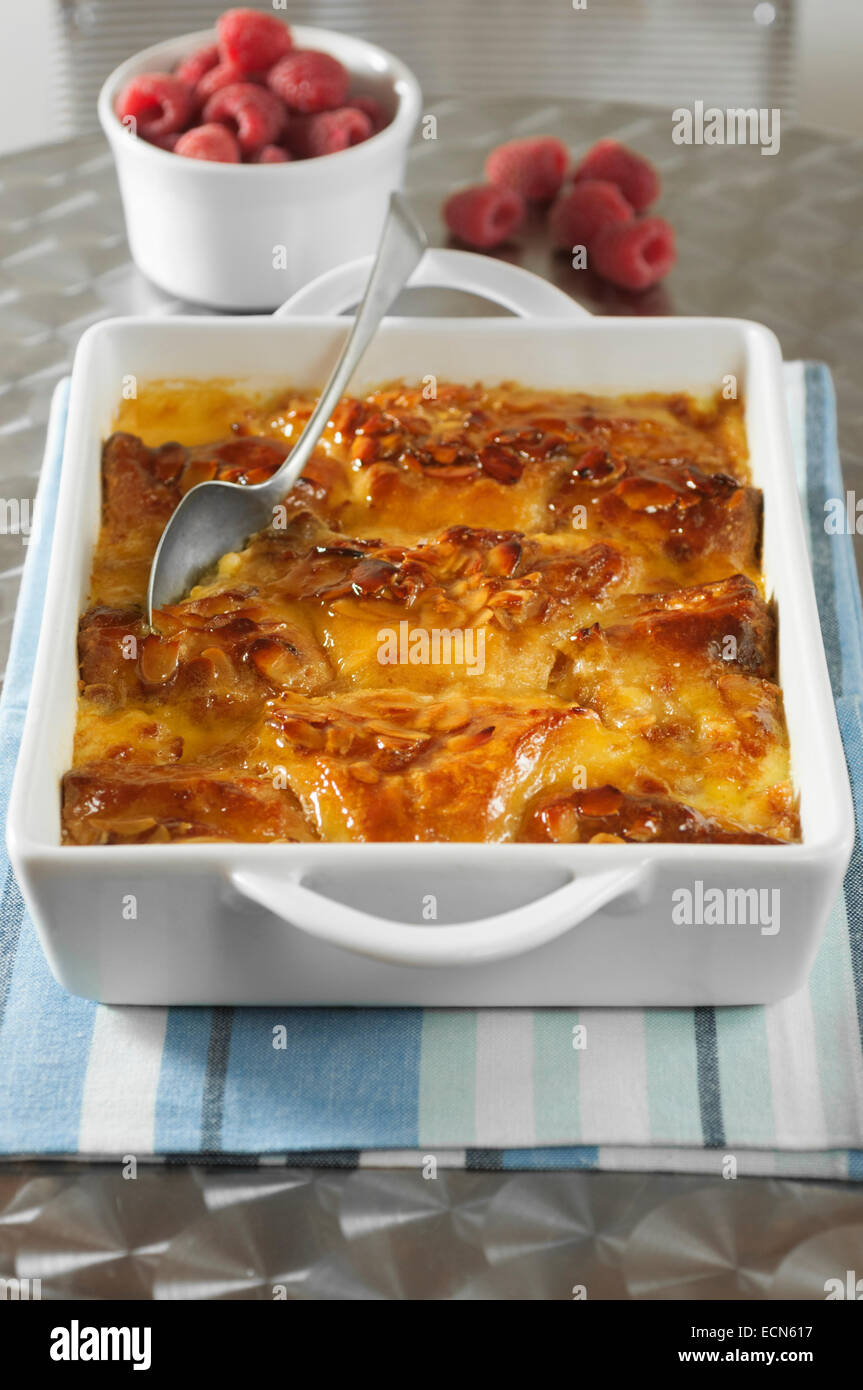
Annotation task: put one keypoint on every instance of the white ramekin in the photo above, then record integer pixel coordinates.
(246, 236)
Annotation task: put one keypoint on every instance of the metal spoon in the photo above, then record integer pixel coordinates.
(217, 517)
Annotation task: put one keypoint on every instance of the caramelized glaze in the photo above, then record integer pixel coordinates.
(602, 554)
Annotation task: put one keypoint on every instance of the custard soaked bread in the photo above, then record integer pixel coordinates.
(496, 614)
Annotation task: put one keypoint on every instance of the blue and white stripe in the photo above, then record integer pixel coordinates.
(779, 1089)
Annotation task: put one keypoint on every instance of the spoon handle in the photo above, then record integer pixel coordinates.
(399, 253)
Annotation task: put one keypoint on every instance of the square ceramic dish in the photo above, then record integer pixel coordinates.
(343, 923)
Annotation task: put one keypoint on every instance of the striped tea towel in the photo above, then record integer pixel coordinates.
(776, 1090)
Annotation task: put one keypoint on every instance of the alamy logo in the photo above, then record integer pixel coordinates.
(433, 646)
(20, 1290)
(736, 126)
(843, 516)
(850, 1287)
(77, 1343)
(16, 517)
(726, 907)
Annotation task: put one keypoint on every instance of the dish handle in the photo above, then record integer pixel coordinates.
(523, 293)
(463, 943)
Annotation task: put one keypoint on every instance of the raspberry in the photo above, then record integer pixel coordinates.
(209, 142)
(637, 180)
(254, 115)
(251, 40)
(192, 69)
(327, 132)
(634, 254)
(222, 75)
(533, 168)
(373, 109)
(308, 81)
(158, 103)
(583, 209)
(165, 142)
(271, 154)
(483, 216)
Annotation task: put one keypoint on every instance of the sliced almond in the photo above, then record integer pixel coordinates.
(275, 662)
(364, 772)
(158, 660)
(504, 558)
(223, 670)
(466, 743)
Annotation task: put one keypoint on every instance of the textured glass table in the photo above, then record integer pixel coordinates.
(770, 238)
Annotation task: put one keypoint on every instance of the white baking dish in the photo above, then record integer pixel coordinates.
(343, 924)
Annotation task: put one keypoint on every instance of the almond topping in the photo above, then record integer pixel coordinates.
(503, 559)
(645, 495)
(223, 671)
(501, 464)
(364, 449)
(198, 471)
(275, 661)
(364, 772)
(465, 743)
(157, 660)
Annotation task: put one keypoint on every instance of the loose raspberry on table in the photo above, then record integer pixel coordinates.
(251, 40)
(327, 132)
(209, 142)
(637, 179)
(192, 69)
(634, 255)
(533, 168)
(254, 115)
(583, 209)
(308, 81)
(483, 216)
(271, 154)
(158, 103)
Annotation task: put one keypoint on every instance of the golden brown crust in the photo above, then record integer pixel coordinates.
(606, 814)
(108, 803)
(604, 555)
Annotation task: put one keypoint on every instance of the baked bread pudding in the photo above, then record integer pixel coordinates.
(483, 614)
